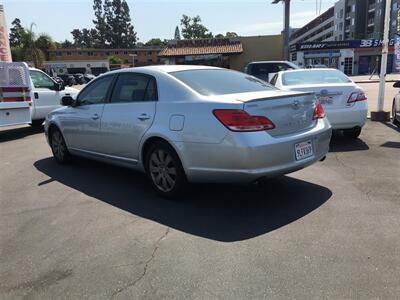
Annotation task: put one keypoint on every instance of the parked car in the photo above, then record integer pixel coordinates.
(317, 66)
(190, 123)
(79, 78)
(265, 70)
(344, 101)
(68, 79)
(89, 77)
(396, 106)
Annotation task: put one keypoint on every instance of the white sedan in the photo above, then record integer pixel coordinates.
(344, 102)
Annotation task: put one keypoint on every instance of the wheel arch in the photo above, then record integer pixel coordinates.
(151, 140)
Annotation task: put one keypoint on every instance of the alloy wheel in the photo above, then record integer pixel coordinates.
(58, 145)
(163, 170)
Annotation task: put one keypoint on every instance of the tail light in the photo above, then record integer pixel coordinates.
(239, 120)
(319, 112)
(357, 96)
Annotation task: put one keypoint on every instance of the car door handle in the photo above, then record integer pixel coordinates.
(144, 117)
(95, 117)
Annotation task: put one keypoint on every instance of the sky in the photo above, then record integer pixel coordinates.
(158, 18)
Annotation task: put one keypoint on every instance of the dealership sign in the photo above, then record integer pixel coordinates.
(339, 45)
(5, 53)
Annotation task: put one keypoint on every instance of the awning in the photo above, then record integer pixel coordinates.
(202, 47)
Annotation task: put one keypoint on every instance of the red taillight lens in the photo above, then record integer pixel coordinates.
(319, 112)
(239, 120)
(357, 96)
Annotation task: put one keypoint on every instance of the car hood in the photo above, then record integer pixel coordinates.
(71, 91)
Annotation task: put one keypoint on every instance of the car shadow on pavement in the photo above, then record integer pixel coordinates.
(226, 213)
(339, 143)
(19, 133)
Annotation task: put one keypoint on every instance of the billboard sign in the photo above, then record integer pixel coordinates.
(5, 52)
(396, 58)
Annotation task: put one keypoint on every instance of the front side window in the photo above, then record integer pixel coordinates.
(133, 88)
(314, 77)
(96, 92)
(41, 80)
(210, 82)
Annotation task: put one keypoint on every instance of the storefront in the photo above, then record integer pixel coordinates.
(353, 57)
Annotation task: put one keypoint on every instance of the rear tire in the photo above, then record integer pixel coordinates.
(352, 133)
(58, 147)
(165, 170)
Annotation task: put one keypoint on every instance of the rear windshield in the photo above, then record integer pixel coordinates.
(210, 82)
(314, 77)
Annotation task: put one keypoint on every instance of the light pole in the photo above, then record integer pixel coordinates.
(286, 28)
(133, 59)
(380, 114)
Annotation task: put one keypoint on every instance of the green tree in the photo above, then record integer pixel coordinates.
(193, 29)
(115, 60)
(122, 33)
(101, 26)
(44, 42)
(30, 50)
(15, 33)
(156, 42)
(177, 35)
(65, 44)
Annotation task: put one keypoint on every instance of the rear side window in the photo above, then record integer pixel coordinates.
(96, 92)
(133, 88)
(210, 82)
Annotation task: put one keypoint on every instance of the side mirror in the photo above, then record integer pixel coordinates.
(396, 84)
(67, 101)
(59, 86)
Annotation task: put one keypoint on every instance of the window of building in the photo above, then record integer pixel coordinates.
(107, 53)
(352, 21)
(353, 8)
(340, 26)
(149, 60)
(58, 53)
(116, 52)
(125, 52)
(69, 53)
(341, 13)
(294, 56)
(149, 53)
(90, 53)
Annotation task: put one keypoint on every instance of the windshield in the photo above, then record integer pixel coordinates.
(210, 82)
(314, 77)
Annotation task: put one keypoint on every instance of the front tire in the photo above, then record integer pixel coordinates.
(352, 133)
(58, 147)
(37, 123)
(165, 170)
(395, 121)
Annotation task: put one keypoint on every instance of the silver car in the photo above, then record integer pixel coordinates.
(190, 123)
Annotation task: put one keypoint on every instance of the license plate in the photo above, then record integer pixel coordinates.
(303, 150)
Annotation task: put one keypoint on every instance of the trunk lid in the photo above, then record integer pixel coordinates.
(291, 112)
(330, 95)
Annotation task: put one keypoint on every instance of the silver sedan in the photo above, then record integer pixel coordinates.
(190, 123)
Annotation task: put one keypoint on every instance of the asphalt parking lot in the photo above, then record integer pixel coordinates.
(89, 230)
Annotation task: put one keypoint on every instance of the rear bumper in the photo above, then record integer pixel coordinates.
(348, 117)
(245, 157)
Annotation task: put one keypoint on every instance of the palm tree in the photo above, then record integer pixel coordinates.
(34, 47)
